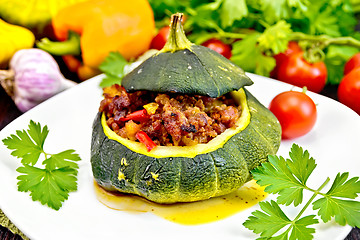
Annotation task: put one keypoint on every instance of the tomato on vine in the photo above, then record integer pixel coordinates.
(293, 47)
(296, 113)
(349, 90)
(219, 47)
(297, 71)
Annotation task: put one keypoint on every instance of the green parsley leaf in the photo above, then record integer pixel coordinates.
(346, 18)
(300, 164)
(335, 72)
(232, 10)
(113, 66)
(24, 147)
(300, 229)
(343, 187)
(164, 8)
(59, 160)
(268, 222)
(248, 49)
(299, 4)
(205, 16)
(288, 178)
(49, 187)
(326, 23)
(344, 211)
(273, 219)
(243, 49)
(278, 178)
(52, 184)
(109, 80)
(32, 176)
(336, 57)
(322, 19)
(273, 11)
(275, 37)
(264, 64)
(333, 204)
(37, 134)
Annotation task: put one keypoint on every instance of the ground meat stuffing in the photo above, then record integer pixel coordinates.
(168, 119)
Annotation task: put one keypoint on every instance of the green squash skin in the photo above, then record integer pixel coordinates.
(181, 179)
(186, 71)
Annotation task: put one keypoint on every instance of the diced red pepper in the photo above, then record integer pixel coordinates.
(138, 116)
(145, 139)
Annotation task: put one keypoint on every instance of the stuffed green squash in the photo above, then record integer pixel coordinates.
(181, 127)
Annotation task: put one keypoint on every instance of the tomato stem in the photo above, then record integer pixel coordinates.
(304, 89)
(232, 35)
(314, 54)
(324, 40)
(264, 24)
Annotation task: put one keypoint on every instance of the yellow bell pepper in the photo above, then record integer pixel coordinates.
(94, 28)
(34, 15)
(12, 39)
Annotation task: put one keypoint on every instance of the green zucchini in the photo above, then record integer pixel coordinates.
(169, 174)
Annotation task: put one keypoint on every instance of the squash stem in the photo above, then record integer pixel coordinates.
(68, 47)
(177, 39)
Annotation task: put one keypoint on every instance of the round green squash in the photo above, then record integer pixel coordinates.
(186, 174)
(169, 174)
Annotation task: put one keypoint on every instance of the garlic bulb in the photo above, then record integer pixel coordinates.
(34, 76)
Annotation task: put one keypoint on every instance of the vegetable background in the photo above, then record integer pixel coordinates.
(257, 30)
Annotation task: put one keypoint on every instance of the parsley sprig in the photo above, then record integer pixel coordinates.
(52, 184)
(288, 179)
(114, 68)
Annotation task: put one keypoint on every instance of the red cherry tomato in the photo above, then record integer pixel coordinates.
(349, 90)
(297, 71)
(293, 47)
(296, 113)
(160, 39)
(352, 63)
(218, 46)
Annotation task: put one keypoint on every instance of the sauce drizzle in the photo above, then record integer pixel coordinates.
(192, 213)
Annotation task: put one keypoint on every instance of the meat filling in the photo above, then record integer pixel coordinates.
(168, 119)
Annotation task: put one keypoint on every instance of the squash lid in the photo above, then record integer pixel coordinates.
(184, 67)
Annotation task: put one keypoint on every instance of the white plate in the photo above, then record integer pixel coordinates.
(333, 143)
